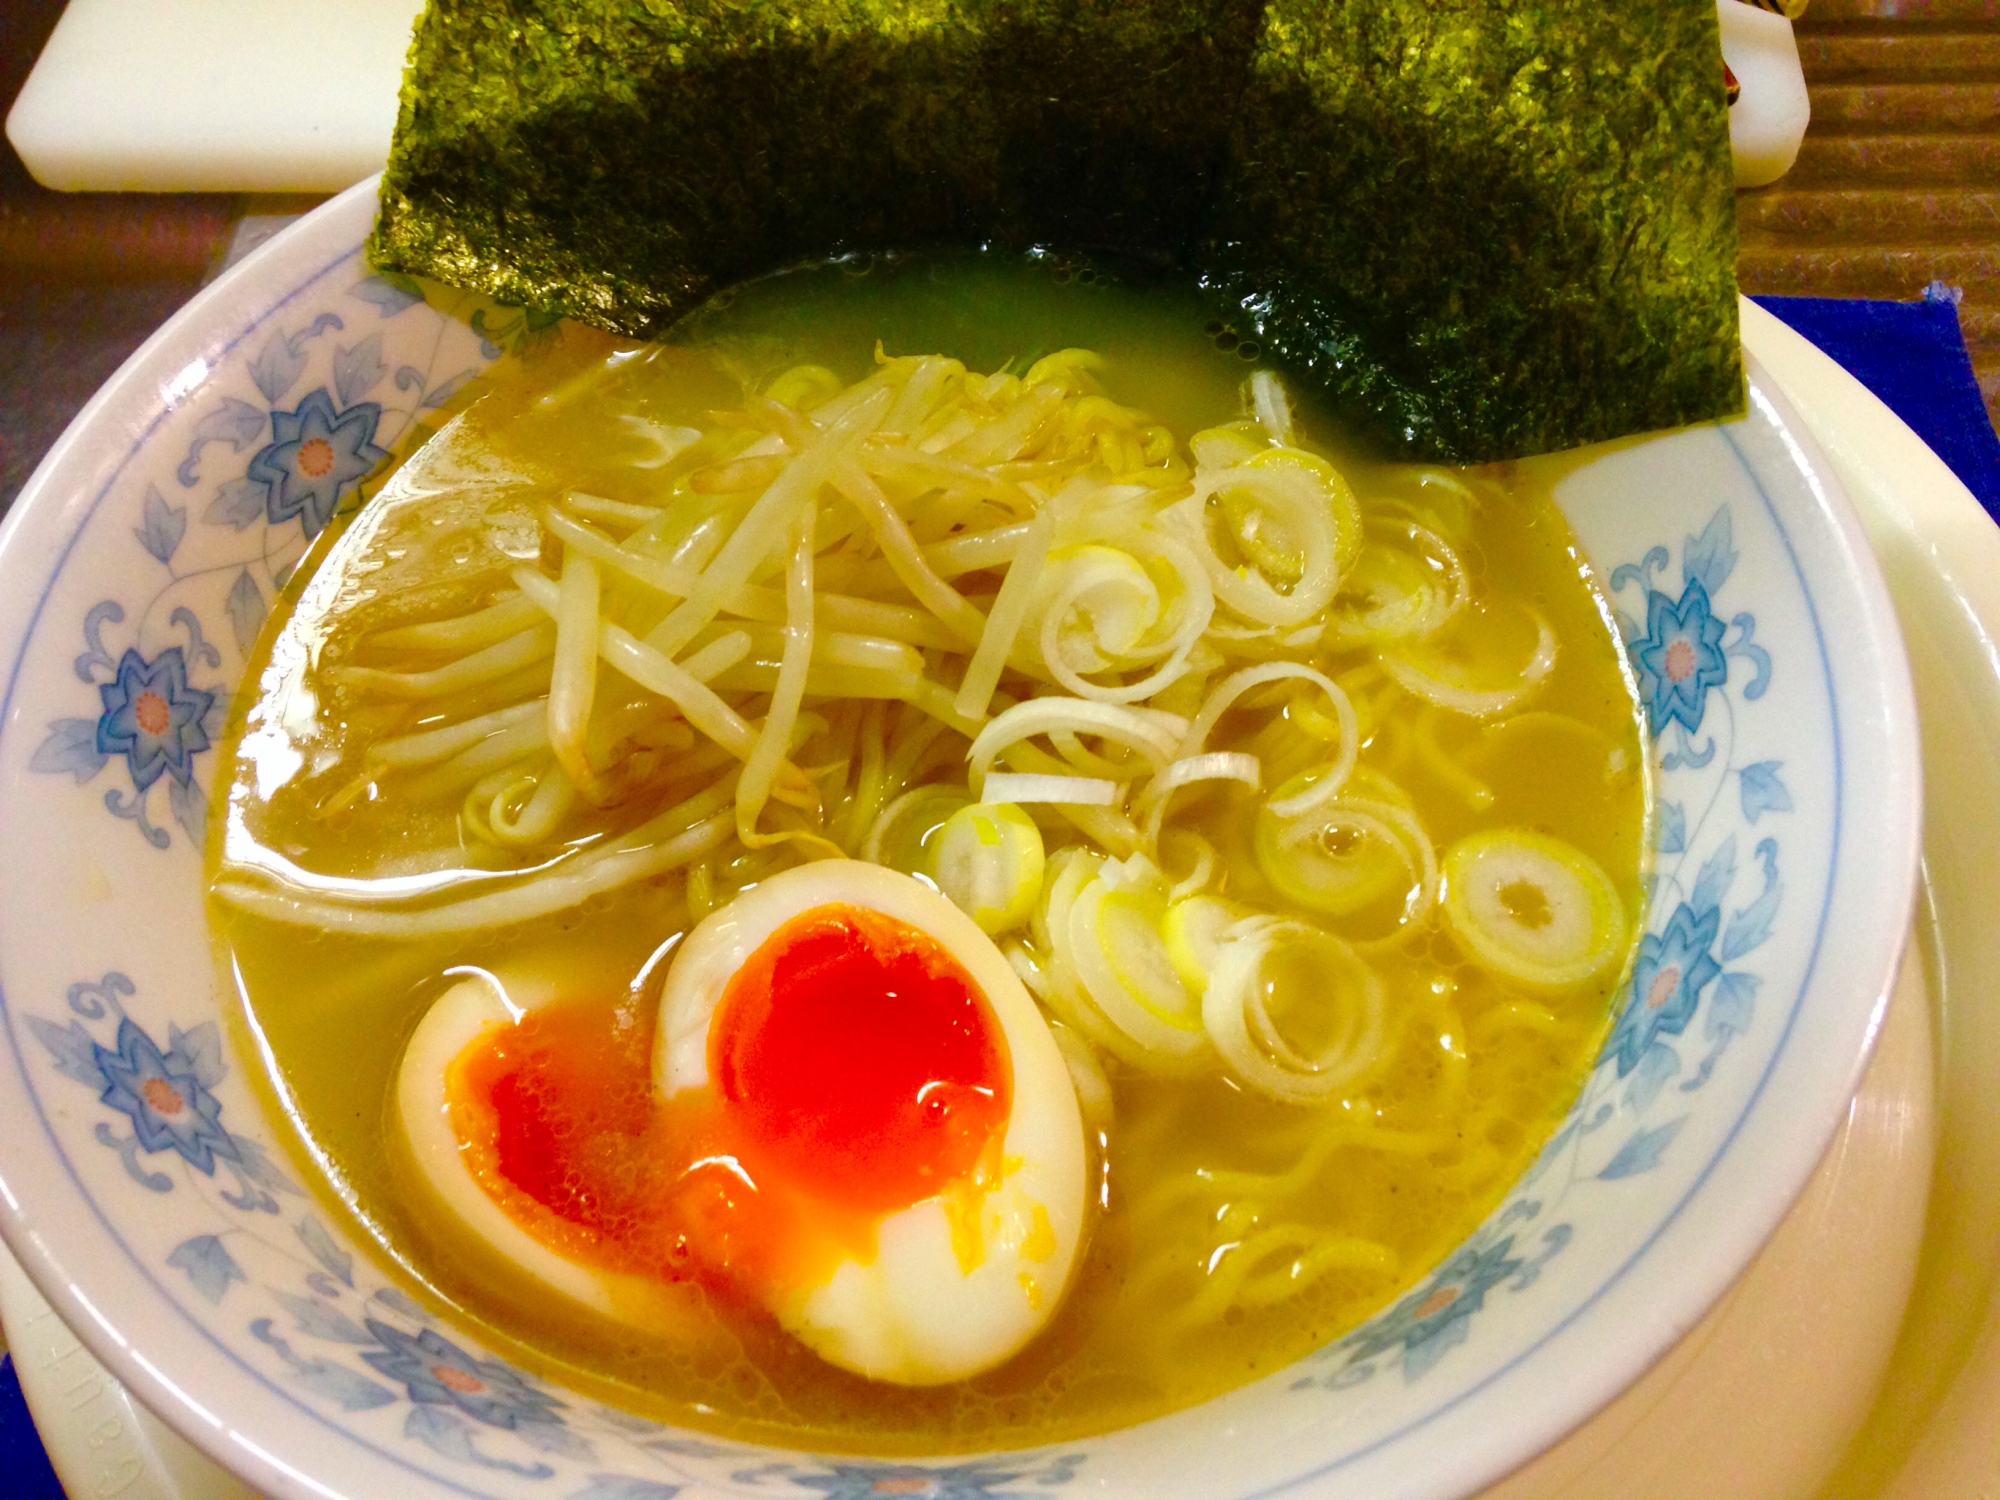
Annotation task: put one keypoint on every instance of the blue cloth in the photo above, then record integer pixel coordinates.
(24, 1469)
(1912, 355)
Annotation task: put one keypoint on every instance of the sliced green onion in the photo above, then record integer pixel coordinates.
(1226, 446)
(1224, 695)
(1347, 854)
(1314, 976)
(1396, 593)
(1117, 952)
(1215, 765)
(1532, 908)
(1108, 607)
(1073, 791)
(1444, 501)
(1337, 862)
(1288, 501)
(1047, 969)
(1201, 867)
(1110, 590)
(1107, 827)
(987, 858)
(1460, 675)
(1192, 931)
(1108, 973)
(1270, 406)
(904, 831)
(1342, 509)
(1110, 721)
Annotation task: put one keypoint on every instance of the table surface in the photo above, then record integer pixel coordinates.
(1898, 182)
(1897, 186)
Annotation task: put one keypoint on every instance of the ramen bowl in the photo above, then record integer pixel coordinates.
(146, 1194)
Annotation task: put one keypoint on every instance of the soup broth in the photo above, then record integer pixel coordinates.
(1235, 1227)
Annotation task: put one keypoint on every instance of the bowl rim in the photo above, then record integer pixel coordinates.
(165, 367)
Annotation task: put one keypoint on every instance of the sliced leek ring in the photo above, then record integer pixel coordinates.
(1097, 604)
(905, 831)
(1532, 909)
(1264, 957)
(1131, 727)
(1068, 871)
(1116, 948)
(1405, 590)
(1457, 672)
(1201, 862)
(1104, 607)
(1270, 406)
(1342, 507)
(1107, 967)
(1230, 444)
(1286, 511)
(1336, 860)
(1299, 794)
(1192, 930)
(1345, 854)
(988, 859)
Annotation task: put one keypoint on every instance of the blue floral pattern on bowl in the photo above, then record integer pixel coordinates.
(316, 456)
(155, 1173)
(1679, 658)
(320, 455)
(153, 718)
(166, 1095)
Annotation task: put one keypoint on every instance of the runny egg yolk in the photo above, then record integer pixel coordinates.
(856, 1070)
(861, 1059)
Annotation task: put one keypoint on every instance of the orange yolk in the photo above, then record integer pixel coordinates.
(861, 1058)
(855, 1068)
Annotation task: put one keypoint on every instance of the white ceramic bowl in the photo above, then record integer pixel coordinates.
(134, 573)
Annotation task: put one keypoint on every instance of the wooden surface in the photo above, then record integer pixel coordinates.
(84, 279)
(1898, 183)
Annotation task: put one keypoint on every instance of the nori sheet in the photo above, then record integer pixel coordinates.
(1486, 228)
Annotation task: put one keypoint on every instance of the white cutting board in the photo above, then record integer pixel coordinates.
(299, 96)
(268, 96)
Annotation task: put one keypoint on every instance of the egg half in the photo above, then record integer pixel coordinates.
(853, 1116)
(475, 1014)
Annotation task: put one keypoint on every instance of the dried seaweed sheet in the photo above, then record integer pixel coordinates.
(1488, 229)
(1500, 229)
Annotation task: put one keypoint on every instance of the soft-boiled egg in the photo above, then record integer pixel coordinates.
(852, 1115)
(455, 1141)
(480, 1003)
(893, 1066)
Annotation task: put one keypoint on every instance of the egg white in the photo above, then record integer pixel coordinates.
(912, 1315)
